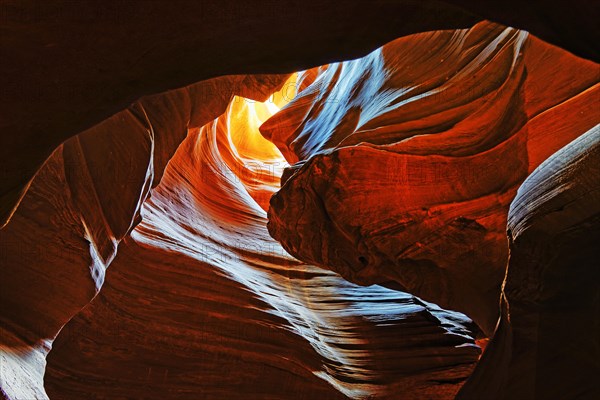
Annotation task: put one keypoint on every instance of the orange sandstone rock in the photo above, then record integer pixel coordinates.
(411, 156)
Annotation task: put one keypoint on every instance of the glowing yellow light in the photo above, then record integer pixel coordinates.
(245, 117)
(257, 162)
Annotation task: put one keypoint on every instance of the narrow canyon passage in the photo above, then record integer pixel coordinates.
(354, 230)
(203, 300)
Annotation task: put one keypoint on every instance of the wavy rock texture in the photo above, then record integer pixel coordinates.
(55, 250)
(68, 65)
(199, 287)
(406, 160)
(201, 302)
(405, 163)
(546, 345)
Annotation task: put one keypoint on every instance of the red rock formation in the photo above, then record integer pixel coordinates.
(199, 284)
(67, 66)
(201, 301)
(411, 156)
(58, 245)
(406, 161)
(546, 345)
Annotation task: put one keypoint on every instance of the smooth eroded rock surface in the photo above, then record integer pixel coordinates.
(408, 158)
(67, 65)
(55, 250)
(201, 302)
(405, 167)
(546, 345)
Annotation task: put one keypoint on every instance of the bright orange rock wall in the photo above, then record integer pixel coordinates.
(410, 157)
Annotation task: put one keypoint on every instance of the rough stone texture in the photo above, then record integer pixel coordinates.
(546, 345)
(410, 157)
(68, 65)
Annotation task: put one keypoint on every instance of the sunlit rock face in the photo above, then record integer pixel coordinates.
(404, 166)
(68, 65)
(406, 160)
(201, 301)
(55, 250)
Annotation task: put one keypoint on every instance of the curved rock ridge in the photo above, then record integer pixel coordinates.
(406, 160)
(200, 302)
(546, 344)
(404, 165)
(68, 65)
(84, 201)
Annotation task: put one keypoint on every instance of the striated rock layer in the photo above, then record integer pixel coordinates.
(405, 163)
(55, 250)
(68, 65)
(201, 302)
(406, 160)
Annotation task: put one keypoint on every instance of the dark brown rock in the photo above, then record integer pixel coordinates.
(546, 344)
